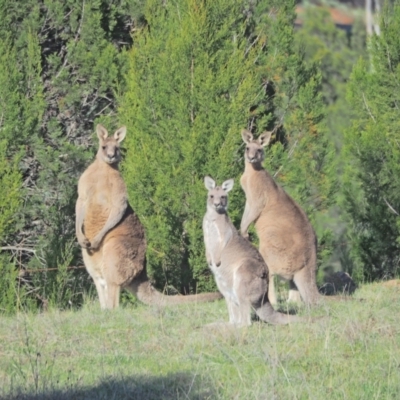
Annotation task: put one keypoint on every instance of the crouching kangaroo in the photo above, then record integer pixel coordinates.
(110, 233)
(288, 243)
(239, 270)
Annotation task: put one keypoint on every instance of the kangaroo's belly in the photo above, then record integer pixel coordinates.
(95, 219)
(129, 231)
(224, 280)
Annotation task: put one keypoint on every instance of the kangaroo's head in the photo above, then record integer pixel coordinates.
(254, 152)
(109, 147)
(218, 195)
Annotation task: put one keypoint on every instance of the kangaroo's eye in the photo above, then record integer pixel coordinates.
(247, 148)
(104, 147)
(259, 150)
(211, 196)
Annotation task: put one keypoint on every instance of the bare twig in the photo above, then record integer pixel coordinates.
(366, 106)
(390, 207)
(277, 172)
(32, 271)
(104, 108)
(251, 45)
(17, 248)
(292, 149)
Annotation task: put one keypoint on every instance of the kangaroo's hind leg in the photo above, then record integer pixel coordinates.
(232, 310)
(116, 271)
(305, 281)
(112, 296)
(294, 294)
(243, 287)
(272, 297)
(272, 260)
(93, 264)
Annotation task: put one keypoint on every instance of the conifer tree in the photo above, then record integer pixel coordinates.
(19, 109)
(372, 151)
(199, 73)
(335, 51)
(65, 64)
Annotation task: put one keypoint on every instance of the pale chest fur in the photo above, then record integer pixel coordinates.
(217, 236)
(213, 237)
(259, 187)
(99, 187)
(244, 182)
(251, 182)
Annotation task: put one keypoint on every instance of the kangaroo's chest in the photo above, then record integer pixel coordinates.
(101, 199)
(99, 203)
(101, 192)
(250, 183)
(213, 235)
(244, 182)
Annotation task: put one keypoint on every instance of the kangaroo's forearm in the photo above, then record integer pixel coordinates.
(222, 246)
(249, 216)
(79, 218)
(217, 256)
(113, 219)
(208, 257)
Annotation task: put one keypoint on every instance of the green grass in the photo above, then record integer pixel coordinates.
(141, 352)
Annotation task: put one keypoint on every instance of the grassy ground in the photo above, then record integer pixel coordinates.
(151, 353)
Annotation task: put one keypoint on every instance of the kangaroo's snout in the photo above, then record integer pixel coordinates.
(218, 200)
(254, 153)
(111, 153)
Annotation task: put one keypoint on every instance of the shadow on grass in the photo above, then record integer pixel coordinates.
(169, 387)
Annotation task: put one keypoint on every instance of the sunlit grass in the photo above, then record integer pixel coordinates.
(140, 352)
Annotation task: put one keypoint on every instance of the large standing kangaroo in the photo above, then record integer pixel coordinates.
(287, 240)
(239, 270)
(111, 236)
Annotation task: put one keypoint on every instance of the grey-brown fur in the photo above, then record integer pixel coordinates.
(110, 233)
(239, 270)
(287, 240)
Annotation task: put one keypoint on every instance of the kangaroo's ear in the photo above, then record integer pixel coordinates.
(264, 138)
(209, 183)
(101, 132)
(228, 185)
(247, 136)
(120, 134)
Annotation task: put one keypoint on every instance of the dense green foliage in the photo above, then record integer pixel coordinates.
(20, 110)
(199, 74)
(372, 151)
(335, 51)
(62, 63)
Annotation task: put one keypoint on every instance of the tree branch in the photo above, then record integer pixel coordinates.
(16, 248)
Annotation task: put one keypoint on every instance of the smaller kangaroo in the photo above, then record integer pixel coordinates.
(110, 233)
(288, 243)
(239, 270)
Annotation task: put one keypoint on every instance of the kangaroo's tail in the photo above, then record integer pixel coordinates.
(147, 294)
(267, 313)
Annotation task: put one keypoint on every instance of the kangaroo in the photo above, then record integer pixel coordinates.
(288, 243)
(110, 233)
(240, 272)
